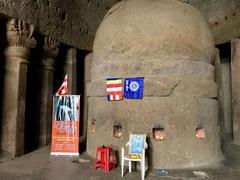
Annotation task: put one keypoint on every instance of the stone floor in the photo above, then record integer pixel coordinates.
(39, 165)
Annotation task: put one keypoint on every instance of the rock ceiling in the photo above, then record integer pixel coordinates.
(74, 22)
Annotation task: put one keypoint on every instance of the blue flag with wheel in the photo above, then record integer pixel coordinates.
(133, 88)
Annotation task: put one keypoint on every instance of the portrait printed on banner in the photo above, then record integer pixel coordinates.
(66, 108)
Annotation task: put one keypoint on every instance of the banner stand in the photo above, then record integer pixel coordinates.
(65, 125)
(64, 154)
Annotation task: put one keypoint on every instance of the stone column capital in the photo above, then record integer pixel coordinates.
(50, 47)
(50, 52)
(19, 33)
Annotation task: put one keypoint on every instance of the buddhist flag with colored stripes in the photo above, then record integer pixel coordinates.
(114, 89)
(64, 87)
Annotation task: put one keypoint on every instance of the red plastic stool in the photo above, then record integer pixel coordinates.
(107, 158)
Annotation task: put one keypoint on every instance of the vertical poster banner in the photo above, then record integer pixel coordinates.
(65, 125)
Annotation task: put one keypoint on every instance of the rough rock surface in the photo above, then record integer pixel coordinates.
(74, 22)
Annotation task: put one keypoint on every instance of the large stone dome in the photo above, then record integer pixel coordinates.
(169, 44)
(162, 29)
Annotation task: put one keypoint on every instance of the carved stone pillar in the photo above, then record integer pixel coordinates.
(19, 37)
(50, 52)
(223, 79)
(235, 74)
(87, 78)
(70, 68)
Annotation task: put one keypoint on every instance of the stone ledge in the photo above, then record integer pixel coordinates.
(163, 86)
(151, 67)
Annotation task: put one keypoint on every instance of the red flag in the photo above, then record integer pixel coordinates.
(64, 88)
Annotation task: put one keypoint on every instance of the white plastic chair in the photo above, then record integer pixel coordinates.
(137, 145)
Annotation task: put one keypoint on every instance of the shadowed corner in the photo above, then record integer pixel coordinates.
(149, 157)
(3, 20)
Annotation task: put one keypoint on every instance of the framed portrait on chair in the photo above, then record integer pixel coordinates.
(137, 142)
